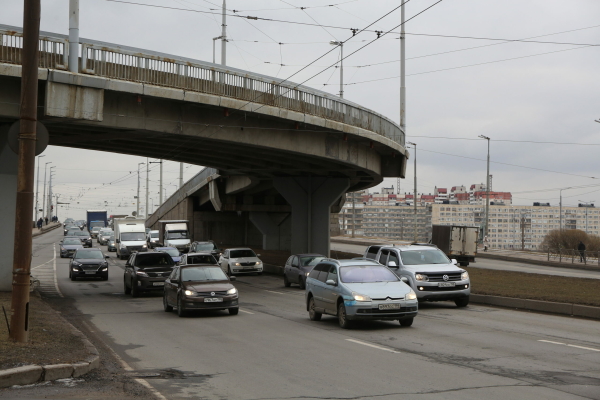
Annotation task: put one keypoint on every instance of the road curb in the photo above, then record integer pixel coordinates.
(46, 228)
(574, 310)
(29, 374)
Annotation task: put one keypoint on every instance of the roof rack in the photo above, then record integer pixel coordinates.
(423, 244)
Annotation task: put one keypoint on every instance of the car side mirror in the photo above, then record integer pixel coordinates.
(392, 264)
(454, 262)
(232, 278)
(331, 282)
(404, 279)
(258, 255)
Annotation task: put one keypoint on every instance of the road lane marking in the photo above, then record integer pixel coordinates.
(247, 312)
(570, 345)
(270, 291)
(54, 268)
(41, 265)
(373, 346)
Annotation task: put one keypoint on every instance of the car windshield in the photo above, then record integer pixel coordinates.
(177, 235)
(420, 257)
(242, 253)
(154, 259)
(172, 252)
(93, 254)
(310, 261)
(367, 274)
(106, 233)
(153, 234)
(202, 274)
(132, 236)
(81, 233)
(71, 241)
(201, 259)
(205, 246)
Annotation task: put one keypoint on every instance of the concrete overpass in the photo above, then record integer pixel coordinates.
(278, 147)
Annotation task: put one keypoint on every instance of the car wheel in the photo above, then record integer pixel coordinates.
(462, 302)
(135, 291)
(234, 311)
(229, 270)
(286, 283)
(406, 322)
(71, 277)
(105, 278)
(301, 283)
(166, 305)
(343, 317)
(312, 314)
(126, 288)
(181, 312)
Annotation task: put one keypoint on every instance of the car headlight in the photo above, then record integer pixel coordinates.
(237, 264)
(75, 269)
(141, 273)
(190, 293)
(232, 291)
(307, 273)
(411, 295)
(76, 264)
(62, 249)
(104, 269)
(464, 276)
(421, 277)
(258, 262)
(360, 297)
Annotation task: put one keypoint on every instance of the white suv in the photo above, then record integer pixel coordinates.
(432, 275)
(241, 260)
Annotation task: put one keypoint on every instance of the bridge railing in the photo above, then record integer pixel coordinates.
(145, 66)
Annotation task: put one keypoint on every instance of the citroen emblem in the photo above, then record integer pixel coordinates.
(213, 293)
(388, 299)
(445, 277)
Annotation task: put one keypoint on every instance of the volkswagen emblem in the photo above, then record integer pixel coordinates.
(445, 277)
(213, 293)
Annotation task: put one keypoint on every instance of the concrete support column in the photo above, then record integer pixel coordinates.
(311, 199)
(269, 225)
(8, 204)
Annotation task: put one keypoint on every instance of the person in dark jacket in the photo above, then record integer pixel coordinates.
(581, 248)
(40, 222)
(46, 219)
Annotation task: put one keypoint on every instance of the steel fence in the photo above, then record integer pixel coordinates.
(575, 256)
(148, 67)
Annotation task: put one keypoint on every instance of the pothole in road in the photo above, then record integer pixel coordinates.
(169, 373)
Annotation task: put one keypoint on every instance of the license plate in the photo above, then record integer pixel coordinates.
(446, 284)
(213, 300)
(90, 272)
(389, 306)
(158, 284)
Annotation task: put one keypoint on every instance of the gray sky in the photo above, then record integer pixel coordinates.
(533, 97)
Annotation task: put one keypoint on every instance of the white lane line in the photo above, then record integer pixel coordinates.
(270, 291)
(41, 265)
(55, 279)
(373, 346)
(570, 345)
(244, 311)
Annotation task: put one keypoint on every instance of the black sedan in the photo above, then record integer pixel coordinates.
(69, 246)
(88, 263)
(86, 238)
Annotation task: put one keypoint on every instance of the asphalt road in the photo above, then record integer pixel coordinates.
(271, 350)
(488, 263)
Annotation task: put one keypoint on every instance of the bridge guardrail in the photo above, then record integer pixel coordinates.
(145, 66)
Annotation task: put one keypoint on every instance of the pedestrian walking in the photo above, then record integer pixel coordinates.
(46, 219)
(486, 243)
(581, 248)
(39, 223)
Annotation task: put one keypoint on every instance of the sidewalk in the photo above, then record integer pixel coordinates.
(45, 228)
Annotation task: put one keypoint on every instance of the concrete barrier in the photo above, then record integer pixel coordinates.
(20, 375)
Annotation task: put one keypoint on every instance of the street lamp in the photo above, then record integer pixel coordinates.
(415, 188)
(341, 44)
(137, 212)
(487, 188)
(44, 195)
(587, 205)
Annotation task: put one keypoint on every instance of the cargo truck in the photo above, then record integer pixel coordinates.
(458, 242)
(130, 236)
(96, 219)
(174, 234)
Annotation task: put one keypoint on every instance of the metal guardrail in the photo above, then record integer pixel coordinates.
(575, 256)
(145, 66)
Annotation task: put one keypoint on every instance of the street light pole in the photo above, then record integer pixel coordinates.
(147, 185)
(180, 175)
(415, 189)
(587, 205)
(224, 38)
(560, 210)
(487, 188)
(37, 187)
(402, 76)
(341, 44)
(44, 194)
(137, 211)
(48, 210)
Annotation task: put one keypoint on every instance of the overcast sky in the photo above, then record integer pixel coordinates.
(456, 87)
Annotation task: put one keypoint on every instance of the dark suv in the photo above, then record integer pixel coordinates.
(88, 263)
(207, 245)
(146, 272)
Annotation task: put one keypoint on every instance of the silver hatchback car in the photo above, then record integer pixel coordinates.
(358, 290)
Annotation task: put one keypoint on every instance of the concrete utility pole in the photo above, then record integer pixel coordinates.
(19, 321)
(137, 210)
(180, 175)
(74, 36)
(415, 189)
(560, 210)
(487, 188)
(402, 76)
(224, 37)
(48, 210)
(341, 44)
(147, 186)
(44, 194)
(353, 214)
(160, 183)
(587, 205)
(37, 188)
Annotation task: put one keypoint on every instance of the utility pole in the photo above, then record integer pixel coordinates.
(353, 214)
(180, 175)
(44, 194)
(487, 188)
(74, 36)
(522, 232)
(147, 186)
(560, 210)
(137, 211)
(37, 188)
(402, 77)
(48, 210)
(587, 205)
(161, 180)
(415, 189)
(19, 321)
(224, 38)
(341, 44)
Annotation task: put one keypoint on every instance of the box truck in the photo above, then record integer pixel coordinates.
(130, 236)
(174, 234)
(458, 242)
